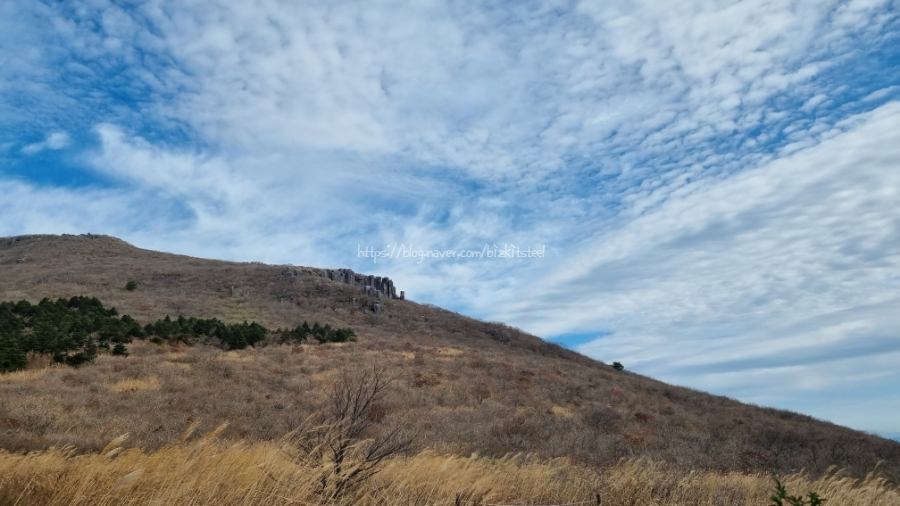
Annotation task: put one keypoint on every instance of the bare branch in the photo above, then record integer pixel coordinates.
(340, 442)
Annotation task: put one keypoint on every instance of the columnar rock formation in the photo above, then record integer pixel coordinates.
(379, 285)
(370, 285)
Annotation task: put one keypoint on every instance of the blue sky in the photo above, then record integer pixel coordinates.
(714, 183)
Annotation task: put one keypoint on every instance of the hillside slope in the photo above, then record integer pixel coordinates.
(461, 385)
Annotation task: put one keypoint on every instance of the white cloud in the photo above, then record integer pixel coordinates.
(494, 93)
(880, 94)
(764, 278)
(29, 209)
(54, 141)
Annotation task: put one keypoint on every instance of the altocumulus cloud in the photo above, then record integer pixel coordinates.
(715, 182)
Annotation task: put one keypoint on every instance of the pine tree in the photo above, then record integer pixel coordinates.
(120, 350)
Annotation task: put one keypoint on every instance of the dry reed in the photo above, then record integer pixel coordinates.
(206, 471)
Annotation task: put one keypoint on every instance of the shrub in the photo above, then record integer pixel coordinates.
(780, 496)
(618, 366)
(120, 350)
(131, 285)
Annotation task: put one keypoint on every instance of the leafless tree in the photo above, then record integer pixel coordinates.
(341, 440)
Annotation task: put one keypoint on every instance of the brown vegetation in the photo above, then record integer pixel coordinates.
(203, 471)
(465, 386)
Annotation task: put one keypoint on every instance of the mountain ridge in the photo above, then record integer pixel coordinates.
(469, 386)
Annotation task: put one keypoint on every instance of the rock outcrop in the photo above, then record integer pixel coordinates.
(370, 285)
(374, 284)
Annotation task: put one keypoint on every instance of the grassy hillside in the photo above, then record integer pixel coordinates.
(460, 385)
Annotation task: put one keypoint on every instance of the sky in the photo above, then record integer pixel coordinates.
(706, 190)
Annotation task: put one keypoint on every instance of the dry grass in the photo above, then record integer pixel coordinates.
(135, 385)
(475, 404)
(466, 386)
(27, 375)
(205, 471)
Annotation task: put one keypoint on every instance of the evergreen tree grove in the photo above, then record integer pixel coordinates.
(73, 331)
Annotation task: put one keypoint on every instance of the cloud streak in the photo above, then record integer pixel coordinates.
(56, 140)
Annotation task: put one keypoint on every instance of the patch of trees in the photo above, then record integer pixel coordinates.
(240, 335)
(73, 331)
(322, 333)
(234, 336)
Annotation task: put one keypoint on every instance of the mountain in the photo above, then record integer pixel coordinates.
(460, 385)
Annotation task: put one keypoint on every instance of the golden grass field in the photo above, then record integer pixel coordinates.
(207, 471)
